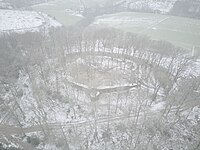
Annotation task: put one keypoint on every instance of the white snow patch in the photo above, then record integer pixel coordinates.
(155, 5)
(21, 21)
(158, 106)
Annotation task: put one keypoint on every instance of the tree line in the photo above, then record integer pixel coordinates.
(163, 78)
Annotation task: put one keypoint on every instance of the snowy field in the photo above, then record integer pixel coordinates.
(183, 32)
(20, 21)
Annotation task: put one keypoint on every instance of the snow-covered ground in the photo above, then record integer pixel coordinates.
(22, 21)
(73, 107)
(164, 6)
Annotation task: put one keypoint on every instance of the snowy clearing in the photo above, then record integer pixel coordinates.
(158, 5)
(21, 21)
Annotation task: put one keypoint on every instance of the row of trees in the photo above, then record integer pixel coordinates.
(160, 69)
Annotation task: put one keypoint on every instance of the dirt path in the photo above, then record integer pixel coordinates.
(12, 130)
(7, 131)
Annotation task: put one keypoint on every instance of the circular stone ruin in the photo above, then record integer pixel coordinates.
(101, 73)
